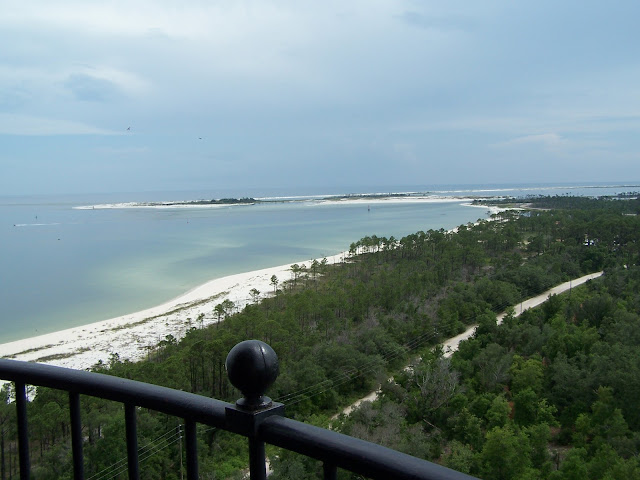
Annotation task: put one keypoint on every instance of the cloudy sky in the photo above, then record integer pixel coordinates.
(141, 95)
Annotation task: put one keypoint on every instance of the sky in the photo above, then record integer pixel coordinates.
(148, 95)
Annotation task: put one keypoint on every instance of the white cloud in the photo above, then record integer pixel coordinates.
(225, 21)
(116, 17)
(128, 81)
(122, 151)
(544, 139)
(13, 124)
(520, 123)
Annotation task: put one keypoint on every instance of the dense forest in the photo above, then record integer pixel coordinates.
(549, 394)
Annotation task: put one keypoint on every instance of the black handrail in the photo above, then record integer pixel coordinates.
(349, 453)
(252, 367)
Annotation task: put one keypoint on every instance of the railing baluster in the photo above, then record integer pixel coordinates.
(330, 471)
(132, 440)
(76, 436)
(23, 434)
(257, 460)
(192, 449)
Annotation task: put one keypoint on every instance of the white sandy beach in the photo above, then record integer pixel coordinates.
(131, 336)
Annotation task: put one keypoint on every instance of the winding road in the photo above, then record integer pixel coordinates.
(451, 345)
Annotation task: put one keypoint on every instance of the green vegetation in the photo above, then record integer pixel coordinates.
(541, 396)
(550, 394)
(215, 201)
(223, 201)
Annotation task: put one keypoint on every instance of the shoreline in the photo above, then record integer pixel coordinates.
(132, 336)
(323, 199)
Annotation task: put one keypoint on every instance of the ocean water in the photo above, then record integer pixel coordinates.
(63, 266)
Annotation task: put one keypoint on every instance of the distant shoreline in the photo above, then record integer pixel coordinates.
(249, 201)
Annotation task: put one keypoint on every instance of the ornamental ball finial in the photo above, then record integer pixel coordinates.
(252, 367)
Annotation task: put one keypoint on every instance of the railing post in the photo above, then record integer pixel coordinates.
(131, 427)
(257, 460)
(76, 436)
(192, 449)
(23, 433)
(330, 471)
(252, 367)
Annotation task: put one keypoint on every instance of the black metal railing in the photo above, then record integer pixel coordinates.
(252, 367)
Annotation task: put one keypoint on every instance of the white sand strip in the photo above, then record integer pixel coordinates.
(399, 199)
(132, 336)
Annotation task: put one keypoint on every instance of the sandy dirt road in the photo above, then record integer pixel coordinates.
(451, 345)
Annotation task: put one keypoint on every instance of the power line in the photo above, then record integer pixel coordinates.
(154, 446)
(340, 379)
(151, 448)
